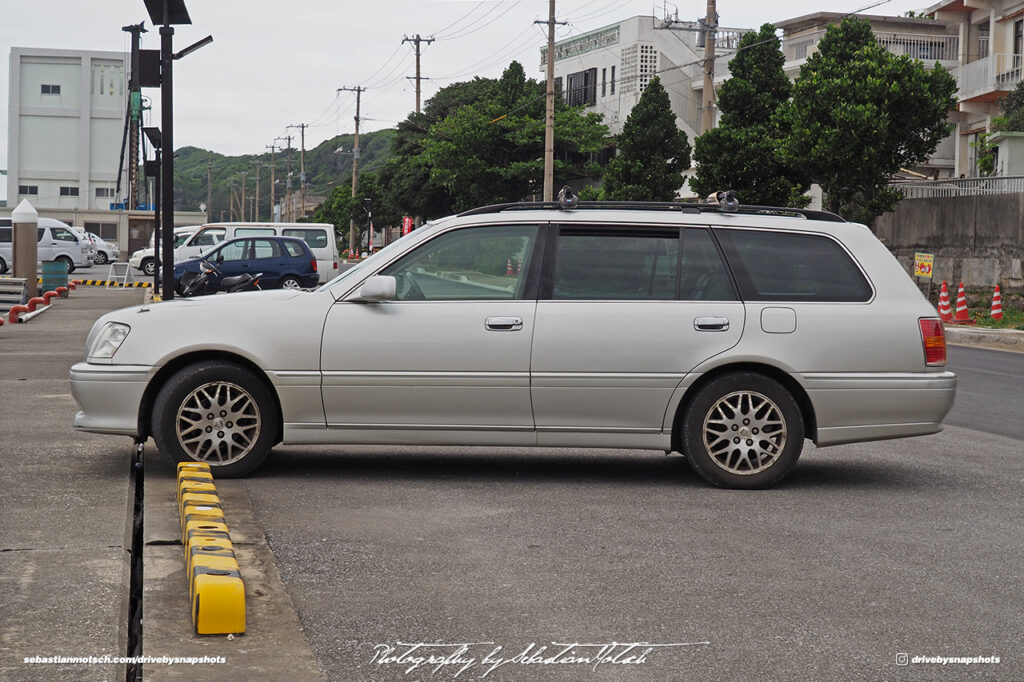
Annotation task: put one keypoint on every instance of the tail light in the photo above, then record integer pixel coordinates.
(933, 338)
(335, 265)
(314, 264)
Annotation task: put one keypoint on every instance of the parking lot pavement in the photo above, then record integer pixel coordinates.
(65, 500)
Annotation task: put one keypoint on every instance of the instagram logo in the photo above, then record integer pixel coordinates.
(902, 659)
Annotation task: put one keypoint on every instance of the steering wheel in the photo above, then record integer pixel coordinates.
(407, 289)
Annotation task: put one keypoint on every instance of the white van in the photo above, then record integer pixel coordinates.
(57, 241)
(319, 237)
(145, 259)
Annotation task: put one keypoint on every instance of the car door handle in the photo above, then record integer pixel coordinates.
(711, 324)
(504, 324)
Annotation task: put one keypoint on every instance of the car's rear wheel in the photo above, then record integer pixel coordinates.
(290, 282)
(743, 430)
(68, 263)
(149, 267)
(3, 266)
(216, 412)
(100, 259)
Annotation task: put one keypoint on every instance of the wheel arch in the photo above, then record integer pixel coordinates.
(803, 401)
(169, 369)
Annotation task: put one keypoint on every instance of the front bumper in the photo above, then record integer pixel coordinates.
(110, 397)
(852, 408)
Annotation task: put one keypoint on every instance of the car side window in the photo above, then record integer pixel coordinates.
(477, 263)
(703, 275)
(266, 248)
(792, 266)
(234, 250)
(253, 231)
(62, 235)
(317, 239)
(209, 237)
(294, 249)
(595, 264)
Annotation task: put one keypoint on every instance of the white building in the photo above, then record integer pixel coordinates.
(66, 120)
(607, 70)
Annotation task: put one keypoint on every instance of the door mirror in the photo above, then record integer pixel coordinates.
(377, 288)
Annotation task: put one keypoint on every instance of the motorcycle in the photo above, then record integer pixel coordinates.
(195, 283)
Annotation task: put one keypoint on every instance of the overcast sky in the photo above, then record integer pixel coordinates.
(277, 63)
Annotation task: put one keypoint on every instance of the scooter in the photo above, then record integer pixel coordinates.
(194, 283)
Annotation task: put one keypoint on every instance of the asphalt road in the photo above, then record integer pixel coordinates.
(864, 553)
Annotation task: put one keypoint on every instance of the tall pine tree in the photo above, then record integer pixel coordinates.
(740, 154)
(653, 152)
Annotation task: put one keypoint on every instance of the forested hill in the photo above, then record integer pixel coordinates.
(324, 170)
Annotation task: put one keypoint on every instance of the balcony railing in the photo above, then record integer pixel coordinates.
(995, 72)
(926, 47)
(963, 187)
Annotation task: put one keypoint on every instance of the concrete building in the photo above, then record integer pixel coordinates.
(607, 70)
(66, 112)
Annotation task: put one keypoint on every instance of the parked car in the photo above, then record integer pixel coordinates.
(724, 333)
(145, 259)
(285, 263)
(58, 241)
(106, 252)
(319, 237)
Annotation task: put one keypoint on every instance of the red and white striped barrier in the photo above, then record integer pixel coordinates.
(997, 305)
(945, 311)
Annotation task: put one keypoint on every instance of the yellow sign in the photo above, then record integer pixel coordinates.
(923, 264)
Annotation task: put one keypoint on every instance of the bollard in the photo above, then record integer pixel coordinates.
(34, 302)
(14, 316)
(50, 294)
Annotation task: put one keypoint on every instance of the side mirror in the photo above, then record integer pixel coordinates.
(377, 288)
(220, 257)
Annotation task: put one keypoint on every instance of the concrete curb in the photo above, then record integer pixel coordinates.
(1000, 339)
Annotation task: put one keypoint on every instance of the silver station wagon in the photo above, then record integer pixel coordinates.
(729, 334)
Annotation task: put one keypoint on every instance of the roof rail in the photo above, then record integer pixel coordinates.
(658, 206)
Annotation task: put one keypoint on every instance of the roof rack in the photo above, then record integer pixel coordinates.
(809, 214)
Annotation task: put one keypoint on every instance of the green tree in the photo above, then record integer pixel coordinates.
(741, 153)
(653, 152)
(859, 114)
(1013, 111)
(491, 150)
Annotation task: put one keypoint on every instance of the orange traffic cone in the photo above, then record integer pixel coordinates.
(508, 268)
(997, 305)
(945, 312)
(961, 306)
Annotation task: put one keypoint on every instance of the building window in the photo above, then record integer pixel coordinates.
(69, 191)
(31, 190)
(102, 192)
(106, 231)
(582, 87)
(48, 89)
(613, 81)
(1018, 41)
(604, 82)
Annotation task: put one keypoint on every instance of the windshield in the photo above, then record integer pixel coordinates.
(353, 273)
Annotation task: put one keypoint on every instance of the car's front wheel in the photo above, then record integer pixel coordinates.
(101, 258)
(68, 263)
(743, 430)
(216, 412)
(149, 267)
(3, 266)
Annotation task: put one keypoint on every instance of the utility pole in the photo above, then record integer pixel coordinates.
(134, 118)
(416, 41)
(256, 213)
(302, 167)
(353, 246)
(707, 119)
(272, 149)
(209, 187)
(241, 204)
(286, 213)
(549, 115)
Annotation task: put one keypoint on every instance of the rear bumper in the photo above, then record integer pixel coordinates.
(110, 397)
(852, 408)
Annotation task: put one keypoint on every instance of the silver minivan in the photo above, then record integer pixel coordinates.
(58, 241)
(729, 335)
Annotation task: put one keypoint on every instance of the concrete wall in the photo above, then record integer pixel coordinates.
(978, 240)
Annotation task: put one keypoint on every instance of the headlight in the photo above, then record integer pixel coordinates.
(108, 341)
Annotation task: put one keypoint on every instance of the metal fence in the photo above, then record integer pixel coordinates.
(963, 187)
(926, 47)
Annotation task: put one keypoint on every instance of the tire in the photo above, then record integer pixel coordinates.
(101, 258)
(68, 263)
(234, 436)
(149, 267)
(290, 282)
(3, 266)
(767, 428)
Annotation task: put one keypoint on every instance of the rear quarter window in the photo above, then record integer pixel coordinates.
(791, 266)
(317, 239)
(294, 248)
